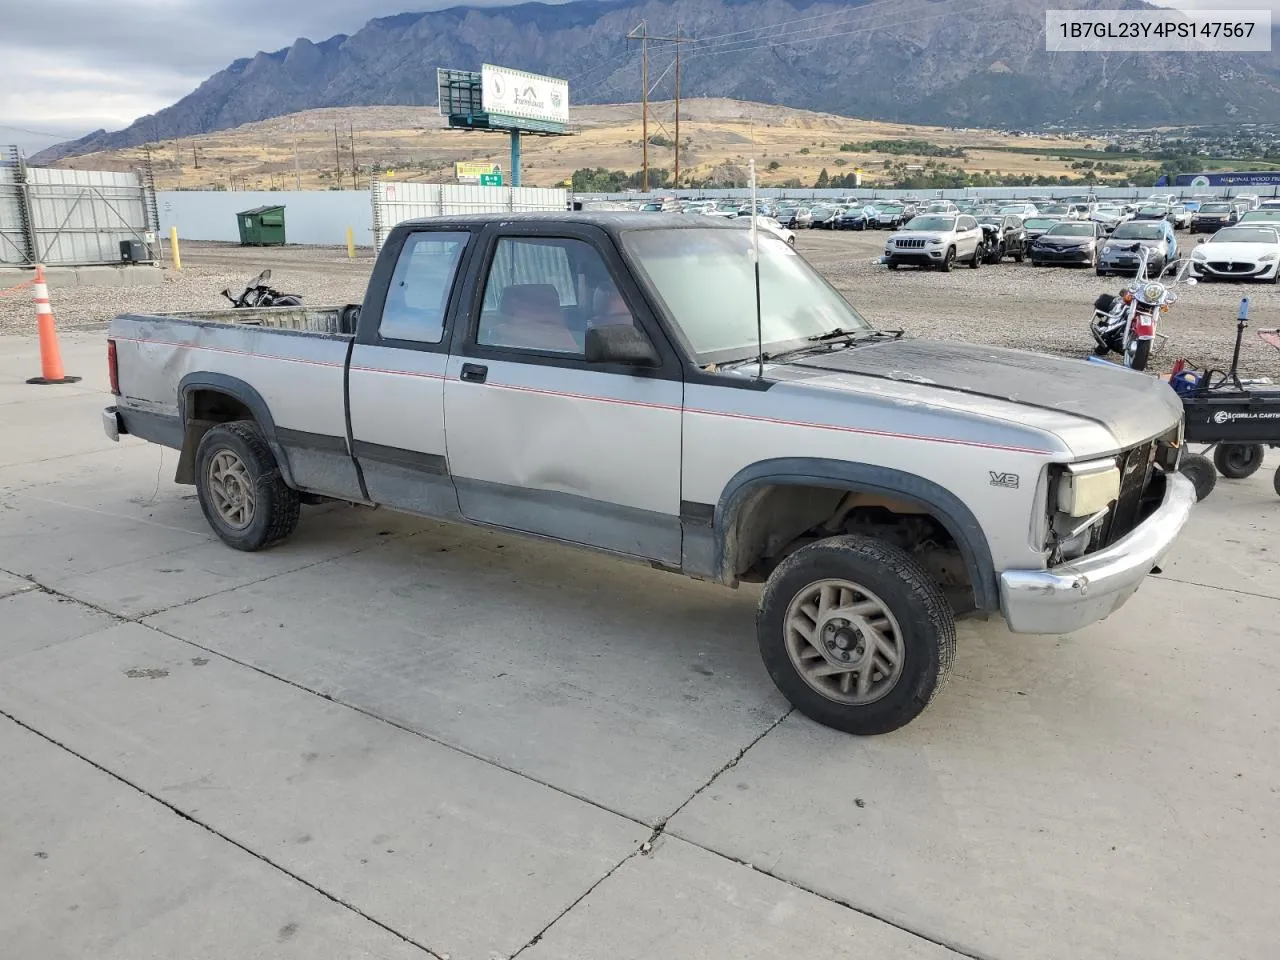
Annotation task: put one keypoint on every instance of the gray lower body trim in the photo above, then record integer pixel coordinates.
(160, 428)
(563, 516)
(320, 463)
(432, 463)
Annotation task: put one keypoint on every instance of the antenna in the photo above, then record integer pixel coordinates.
(755, 259)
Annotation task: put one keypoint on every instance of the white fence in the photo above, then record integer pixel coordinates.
(396, 202)
(319, 217)
(69, 217)
(867, 193)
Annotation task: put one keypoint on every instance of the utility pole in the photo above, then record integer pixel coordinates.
(337, 156)
(641, 33)
(355, 183)
(195, 155)
(297, 172)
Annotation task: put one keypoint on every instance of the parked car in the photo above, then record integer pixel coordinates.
(1261, 216)
(1073, 242)
(1248, 252)
(1180, 216)
(1213, 216)
(857, 218)
(1004, 237)
(942, 206)
(795, 218)
(767, 225)
(1154, 211)
(1060, 210)
(1035, 227)
(821, 214)
(1248, 199)
(1264, 205)
(1080, 211)
(936, 240)
(1158, 235)
(1162, 199)
(1019, 209)
(893, 215)
(878, 486)
(1108, 215)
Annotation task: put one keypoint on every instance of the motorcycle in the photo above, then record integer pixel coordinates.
(258, 294)
(1126, 324)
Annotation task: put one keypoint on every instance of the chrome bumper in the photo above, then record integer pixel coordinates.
(1084, 591)
(111, 423)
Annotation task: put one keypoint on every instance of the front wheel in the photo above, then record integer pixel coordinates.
(856, 634)
(1137, 354)
(948, 259)
(1199, 470)
(241, 492)
(1236, 461)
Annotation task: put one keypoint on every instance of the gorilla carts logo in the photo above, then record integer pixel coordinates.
(1226, 416)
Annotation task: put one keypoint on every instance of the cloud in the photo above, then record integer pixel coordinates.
(72, 66)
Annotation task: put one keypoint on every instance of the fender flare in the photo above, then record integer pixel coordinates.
(239, 390)
(950, 511)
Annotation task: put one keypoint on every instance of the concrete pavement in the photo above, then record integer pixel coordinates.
(393, 738)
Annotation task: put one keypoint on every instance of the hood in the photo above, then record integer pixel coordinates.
(1063, 241)
(1116, 243)
(1235, 251)
(917, 235)
(1131, 407)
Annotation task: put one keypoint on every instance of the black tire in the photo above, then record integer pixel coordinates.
(1018, 255)
(1236, 461)
(1199, 470)
(1275, 481)
(892, 265)
(275, 507)
(948, 258)
(1100, 272)
(921, 625)
(1141, 354)
(978, 256)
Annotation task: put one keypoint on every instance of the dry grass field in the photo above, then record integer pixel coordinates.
(414, 142)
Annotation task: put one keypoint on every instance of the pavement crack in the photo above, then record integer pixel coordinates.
(1214, 586)
(177, 811)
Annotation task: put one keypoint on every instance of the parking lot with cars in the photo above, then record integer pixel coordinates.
(395, 738)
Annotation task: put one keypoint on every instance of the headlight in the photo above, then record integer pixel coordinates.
(1201, 255)
(1086, 488)
(936, 240)
(1266, 258)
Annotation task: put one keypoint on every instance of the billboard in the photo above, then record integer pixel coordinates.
(1263, 178)
(515, 93)
(470, 171)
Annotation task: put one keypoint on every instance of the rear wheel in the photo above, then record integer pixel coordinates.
(856, 634)
(1236, 461)
(979, 254)
(240, 489)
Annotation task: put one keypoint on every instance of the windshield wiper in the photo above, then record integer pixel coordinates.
(839, 334)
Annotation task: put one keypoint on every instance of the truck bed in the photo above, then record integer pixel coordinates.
(333, 320)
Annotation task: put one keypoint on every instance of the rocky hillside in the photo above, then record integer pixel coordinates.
(954, 62)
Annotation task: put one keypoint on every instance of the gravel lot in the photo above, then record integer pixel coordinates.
(1013, 305)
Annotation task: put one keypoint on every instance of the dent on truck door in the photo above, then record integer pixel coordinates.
(540, 440)
(396, 380)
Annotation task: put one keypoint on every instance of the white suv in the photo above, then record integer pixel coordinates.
(936, 240)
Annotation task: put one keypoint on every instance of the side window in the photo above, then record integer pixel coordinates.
(544, 294)
(420, 285)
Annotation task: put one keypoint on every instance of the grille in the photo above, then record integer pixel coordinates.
(1135, 474)
(910, 243)
(1224, 266)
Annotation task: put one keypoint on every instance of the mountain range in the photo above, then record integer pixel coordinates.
(953, 62)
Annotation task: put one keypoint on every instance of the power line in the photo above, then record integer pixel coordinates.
(36, 133)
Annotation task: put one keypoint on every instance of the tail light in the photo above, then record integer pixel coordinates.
(113, 368)
(1144, 324)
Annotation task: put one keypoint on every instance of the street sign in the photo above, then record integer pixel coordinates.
(490, 179)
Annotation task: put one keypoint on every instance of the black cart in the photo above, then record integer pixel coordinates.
(1237, 419)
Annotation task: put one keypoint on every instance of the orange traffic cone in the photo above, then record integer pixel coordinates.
(50, 356)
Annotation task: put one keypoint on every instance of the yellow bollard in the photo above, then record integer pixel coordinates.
(174, 255)
(351, 244)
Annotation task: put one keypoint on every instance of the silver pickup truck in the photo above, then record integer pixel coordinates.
(603, 380)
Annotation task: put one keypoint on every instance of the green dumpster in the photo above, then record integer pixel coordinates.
(261, 227)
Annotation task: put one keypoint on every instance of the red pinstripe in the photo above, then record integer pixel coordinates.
(627, 403)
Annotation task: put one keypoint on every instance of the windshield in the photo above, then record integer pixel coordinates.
(890, 208)
(1267, 216)
(1016, 208)
(1108, 211)
(1071, 230)
(706, 282)
(997, 220)
(1054, 208)
(1216, 208)
(1041, 223)
(1138, 231)
(1156, 211)
(931, 223)
(1245, 235)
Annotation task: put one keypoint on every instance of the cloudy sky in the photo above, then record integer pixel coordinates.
(72, 66)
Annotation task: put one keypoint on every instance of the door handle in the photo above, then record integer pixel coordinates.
(474, 372)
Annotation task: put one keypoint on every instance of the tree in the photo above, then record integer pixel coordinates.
(774, 165)
(824, 180)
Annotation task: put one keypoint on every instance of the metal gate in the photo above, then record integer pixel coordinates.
(71, 217)
(396, 202)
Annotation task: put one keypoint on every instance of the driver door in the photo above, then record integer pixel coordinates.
(968, 236)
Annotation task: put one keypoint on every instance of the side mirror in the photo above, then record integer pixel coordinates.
(264, 276)
(621, 343)
(227, 293)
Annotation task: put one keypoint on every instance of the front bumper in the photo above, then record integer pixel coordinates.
(1064, 255)
(1084, 591)
(1232, 270)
